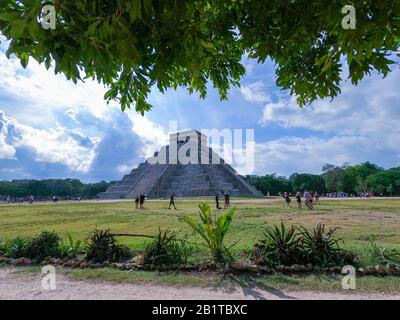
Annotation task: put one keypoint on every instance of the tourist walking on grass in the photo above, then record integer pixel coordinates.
(286, 196)
(298, 200)
(8, 199)
(308, 200)
(217, 201)
(172, 201)
(141, 201)
(316, 198)
(227, 204)
(137, 202)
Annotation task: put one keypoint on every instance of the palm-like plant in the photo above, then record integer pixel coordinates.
(212, 230)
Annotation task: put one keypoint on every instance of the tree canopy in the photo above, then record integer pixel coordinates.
(360, 178)
(48, 188)
(132, 45)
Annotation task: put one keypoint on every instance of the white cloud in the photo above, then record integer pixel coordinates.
(293, 154)
(151, 134)
(54, 145)
(255, 92)
(48, 91)
(368, 109)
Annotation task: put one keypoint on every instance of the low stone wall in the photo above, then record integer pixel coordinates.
(236, 267)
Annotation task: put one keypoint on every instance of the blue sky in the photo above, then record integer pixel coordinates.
(51, 128)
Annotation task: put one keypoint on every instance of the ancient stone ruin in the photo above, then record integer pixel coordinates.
(186, 167)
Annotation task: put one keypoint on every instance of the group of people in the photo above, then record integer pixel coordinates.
(227, 200)
(311, 199)
(140, 199)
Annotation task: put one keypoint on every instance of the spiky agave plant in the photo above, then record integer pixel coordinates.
(167, 249)
(212, 230)
(378, 254)
(323, 249)
(280, 246)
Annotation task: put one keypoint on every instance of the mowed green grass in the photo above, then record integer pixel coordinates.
(358, 220)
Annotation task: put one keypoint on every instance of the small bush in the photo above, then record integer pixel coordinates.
(16, 248)
(377, 254)
(322, 249)
(71, 248)
(166, 249)
(212, 230)
(297, 245)
(47, 244)
(280, 246)
(102, 246)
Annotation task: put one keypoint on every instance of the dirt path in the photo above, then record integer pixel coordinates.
(28, 286)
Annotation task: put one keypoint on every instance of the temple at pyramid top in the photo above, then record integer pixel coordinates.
(186, 167)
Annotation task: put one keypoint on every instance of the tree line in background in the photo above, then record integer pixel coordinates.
(64, 188)
(351, 180)
(361, 178)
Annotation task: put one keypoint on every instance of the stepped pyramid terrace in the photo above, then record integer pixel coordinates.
(186, 167)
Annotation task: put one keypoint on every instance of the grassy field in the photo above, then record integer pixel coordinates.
(358, 221)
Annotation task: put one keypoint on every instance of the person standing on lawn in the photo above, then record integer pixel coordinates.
(298, 200)
(141, 201)
(172, 201)
(227, 204)
(217, 201)
(287, 199)
(137, 202)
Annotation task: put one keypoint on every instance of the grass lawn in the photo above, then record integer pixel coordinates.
(358, 221)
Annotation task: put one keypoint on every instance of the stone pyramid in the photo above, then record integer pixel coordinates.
(186, 167)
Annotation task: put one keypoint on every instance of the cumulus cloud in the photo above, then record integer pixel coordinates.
(359, 125)
(55, 145)
(370, 108)
(295, 154)
(255, 92)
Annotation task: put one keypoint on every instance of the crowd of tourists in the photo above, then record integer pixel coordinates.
(311, 199)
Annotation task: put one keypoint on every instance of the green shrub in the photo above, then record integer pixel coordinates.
(102, 246)
(46, 244)
(212, 230)
(280, 246)
(322, 249)
(377, 254)
(16, 248)
(297, 245)
(166, 249)
(71, 248)
(2, 248)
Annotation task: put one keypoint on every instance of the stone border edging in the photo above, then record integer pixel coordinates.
(234, 267)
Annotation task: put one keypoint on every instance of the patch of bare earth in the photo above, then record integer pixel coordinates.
(29, 286)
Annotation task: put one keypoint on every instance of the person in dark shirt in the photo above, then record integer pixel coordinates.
(217, 201)
(141, 201)
(287, 199)
(298, 200)
(137, 202)
(172, 201)
(227, 200)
